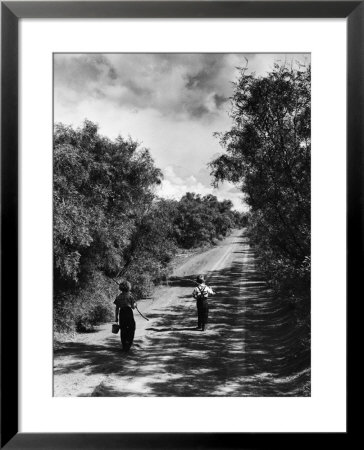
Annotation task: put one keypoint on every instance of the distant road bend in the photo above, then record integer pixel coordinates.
(251, 346)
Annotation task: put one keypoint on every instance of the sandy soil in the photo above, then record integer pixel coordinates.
(251, 346)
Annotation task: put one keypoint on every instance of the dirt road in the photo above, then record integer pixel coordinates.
(251, 347)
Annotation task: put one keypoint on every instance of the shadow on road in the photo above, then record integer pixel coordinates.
(163, 330)
(253, 346)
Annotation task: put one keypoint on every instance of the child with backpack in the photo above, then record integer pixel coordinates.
(201, 294)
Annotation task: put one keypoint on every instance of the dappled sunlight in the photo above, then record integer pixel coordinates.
(251, 347)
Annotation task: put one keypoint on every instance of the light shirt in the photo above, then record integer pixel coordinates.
(202, 288)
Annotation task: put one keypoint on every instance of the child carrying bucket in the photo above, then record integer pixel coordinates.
(124, 305)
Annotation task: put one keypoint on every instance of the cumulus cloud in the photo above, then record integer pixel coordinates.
(174, 187)
(187, 85)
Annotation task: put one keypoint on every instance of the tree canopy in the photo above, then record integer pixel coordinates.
(100, 187)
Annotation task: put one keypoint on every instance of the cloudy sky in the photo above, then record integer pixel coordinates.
(171, 103)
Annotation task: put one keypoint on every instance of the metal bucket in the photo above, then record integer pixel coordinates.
(115, 328)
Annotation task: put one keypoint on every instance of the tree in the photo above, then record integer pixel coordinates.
(268, 155)
(100, 187)
(202, 219)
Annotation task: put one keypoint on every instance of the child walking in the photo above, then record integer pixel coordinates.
(124, 305)
(201, 294)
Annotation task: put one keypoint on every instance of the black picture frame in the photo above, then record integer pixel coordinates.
(11, 12)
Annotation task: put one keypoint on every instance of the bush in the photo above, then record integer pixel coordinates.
(86, 307)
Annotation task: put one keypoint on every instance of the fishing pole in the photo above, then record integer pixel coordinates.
(115, 281)
(146, 318)
(136, 307)
(189, 279)
(193, 281)
(185, 279)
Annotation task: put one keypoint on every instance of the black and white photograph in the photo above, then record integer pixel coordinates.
(181, 225)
